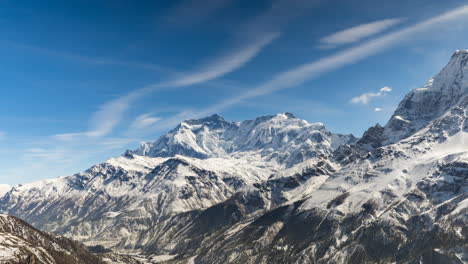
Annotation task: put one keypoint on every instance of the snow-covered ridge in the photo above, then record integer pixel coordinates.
(95, 206)
(422, 105)
(21, 243)
(282, 138)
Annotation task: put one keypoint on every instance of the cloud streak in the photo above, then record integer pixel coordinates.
(358, 32)
(144, 121)
(107, 117)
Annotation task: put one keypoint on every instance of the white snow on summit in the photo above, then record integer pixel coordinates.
(281, 138)
(422, 105)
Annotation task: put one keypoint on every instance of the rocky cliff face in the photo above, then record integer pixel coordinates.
(423, 105)
(279, 190)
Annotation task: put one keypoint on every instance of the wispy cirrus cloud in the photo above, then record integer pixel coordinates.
(357, 33)
(106, 118)
(314, 69)
(109, 114)
(365, 98)
(254, 35)
(378, 109)
(144, 121)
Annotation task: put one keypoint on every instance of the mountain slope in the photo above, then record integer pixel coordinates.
(110, 201)
(363, 214)
(21, 243)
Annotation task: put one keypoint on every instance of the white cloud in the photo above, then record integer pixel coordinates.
(365, 98)
(144, 121)
(357, 33)
(377, 109)
(385, 89)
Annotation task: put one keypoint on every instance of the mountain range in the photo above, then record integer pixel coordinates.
(276, 189)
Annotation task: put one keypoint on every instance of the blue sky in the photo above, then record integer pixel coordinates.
(81, 81)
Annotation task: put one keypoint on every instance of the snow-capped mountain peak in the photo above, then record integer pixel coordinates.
(444, 91)
(282, 137)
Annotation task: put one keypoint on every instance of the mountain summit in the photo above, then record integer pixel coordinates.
(447, 90)
(282, 138)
